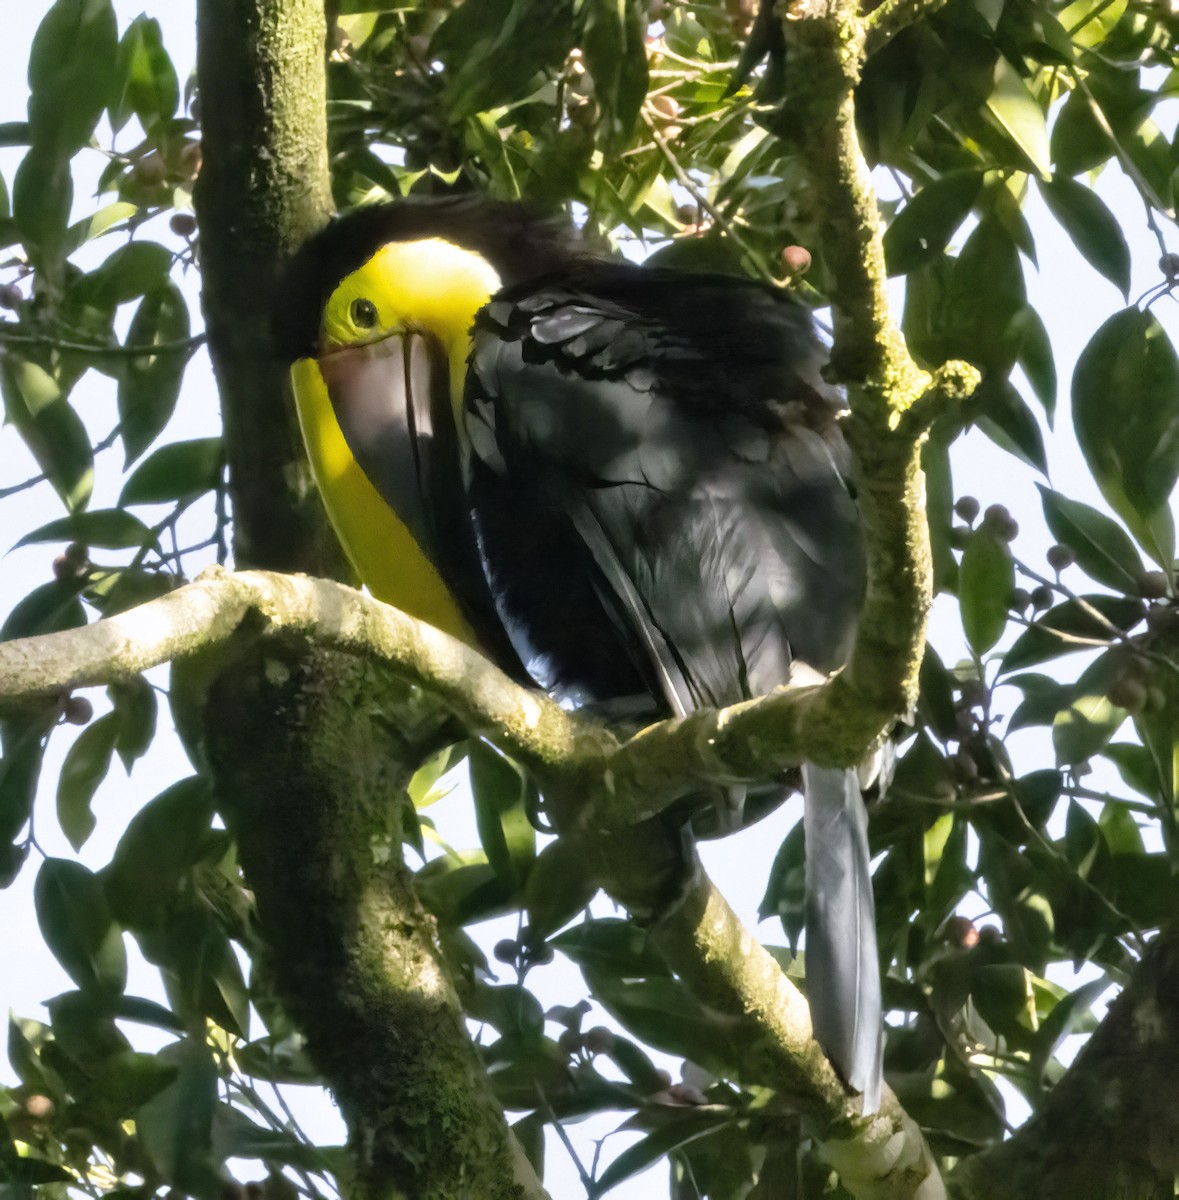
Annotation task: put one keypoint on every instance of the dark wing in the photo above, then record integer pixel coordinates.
(661, 446)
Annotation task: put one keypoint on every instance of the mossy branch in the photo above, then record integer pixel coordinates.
(885, 22)
(263, 189)
(584, 767)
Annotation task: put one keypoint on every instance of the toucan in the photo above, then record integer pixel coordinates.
(628, 483)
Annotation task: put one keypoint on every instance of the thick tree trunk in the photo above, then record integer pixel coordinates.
(1108, 1130)
(262, 190)
(311, 752)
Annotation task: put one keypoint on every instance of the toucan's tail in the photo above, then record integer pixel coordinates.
(842, 966)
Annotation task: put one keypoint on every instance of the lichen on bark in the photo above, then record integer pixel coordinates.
(318, 747)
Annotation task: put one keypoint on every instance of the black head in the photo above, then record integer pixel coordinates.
(517, 242)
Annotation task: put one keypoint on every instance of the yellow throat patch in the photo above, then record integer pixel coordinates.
(428, 285)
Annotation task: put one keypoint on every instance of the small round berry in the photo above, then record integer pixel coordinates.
(77, 710)
(1152, 585)
(599, 1040)
(967, 507)
(796, 260)
(1060, 557)
(1043, 597)
(506, 950)
(183, 224)
(39, 1107)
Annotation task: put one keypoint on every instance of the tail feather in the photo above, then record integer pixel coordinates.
(842, 964)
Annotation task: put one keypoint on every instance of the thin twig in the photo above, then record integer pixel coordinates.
(106, 443)
(586, 1181)
(693, 189)
(10, 336)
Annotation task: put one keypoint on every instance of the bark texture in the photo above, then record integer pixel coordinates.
(311, 752)
(262, 190)
(1108, 1129)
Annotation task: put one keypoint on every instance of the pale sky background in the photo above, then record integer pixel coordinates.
(1073, 301)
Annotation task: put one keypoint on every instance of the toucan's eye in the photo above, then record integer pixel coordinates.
(364, 314)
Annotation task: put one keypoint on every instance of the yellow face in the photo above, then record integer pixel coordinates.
(430, 286)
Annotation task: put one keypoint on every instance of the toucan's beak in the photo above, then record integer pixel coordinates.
(392, 400)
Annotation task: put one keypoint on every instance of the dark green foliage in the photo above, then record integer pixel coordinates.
(611, 107)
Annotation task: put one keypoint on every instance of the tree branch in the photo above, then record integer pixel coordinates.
(892, 400)
(885, 22)
(1108, 1127)
(262, 191)
(582, 768)
(350, 948)
(11, 334)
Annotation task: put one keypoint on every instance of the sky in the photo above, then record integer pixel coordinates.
(1072, 299)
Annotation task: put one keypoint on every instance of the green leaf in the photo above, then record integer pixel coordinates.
(86, 764)
(1078, 142)
(23, 745)
(500, 52)
(1070, 627)
(923, 228)
(150, 384)
(613, 40)
(986, 579)
(612, 947)
(203, 977)
(160, 845)
(1095, 231)
(1036, 359)
(175, 1127)
(132, 270)
(53, 432)
(458, 891)
(500, 793)
(277, 1060)
(49, 608)
(1019, 113)
(136, 706)
(985, 297)
(76, 923)
(1125, 398)
(559, 887)
(1103, 548)
(146, 83)
(1004, 416)
(529, 1135)
(108, 217)
(424, 788)
(109, 528)
(785, 894)
(1066, 1014)
(1014, 892)
(71, 68)
(1089, 723)
(511, 1009)
(181, 471)
(688, 1126)
(236, 1136)
(42, 194)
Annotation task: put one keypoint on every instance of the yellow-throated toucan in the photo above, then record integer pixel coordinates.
(632, 477)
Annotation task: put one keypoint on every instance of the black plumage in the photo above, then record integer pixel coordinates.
(652, 471)
(656, 460)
